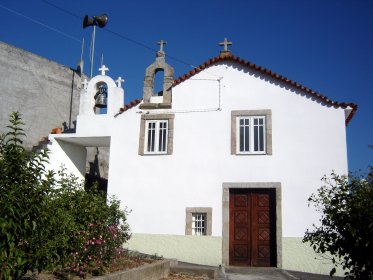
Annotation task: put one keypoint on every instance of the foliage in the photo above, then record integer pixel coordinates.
(346, 229)
(24, 187)
(47, 219)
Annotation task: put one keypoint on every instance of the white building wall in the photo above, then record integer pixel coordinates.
(67, 156)
(308, 141)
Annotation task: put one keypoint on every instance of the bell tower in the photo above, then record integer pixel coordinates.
(101, 95)
(162, 100)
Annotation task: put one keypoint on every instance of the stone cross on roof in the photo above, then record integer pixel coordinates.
(103, 69)
(161, 43)
(225, 44)
(85, 83)
(119, 81)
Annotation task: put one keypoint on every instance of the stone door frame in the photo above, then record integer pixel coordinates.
(225, 208)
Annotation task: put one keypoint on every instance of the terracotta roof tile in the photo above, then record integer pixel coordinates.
(268, 72)
(126, 107)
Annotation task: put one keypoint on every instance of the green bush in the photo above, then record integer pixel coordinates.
(48, 220)
(24, 189)
(346, 224)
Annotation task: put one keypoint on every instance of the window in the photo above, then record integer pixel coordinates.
(156, 137)
(156, 134)
(251, 132)
(251, 135)
(198, 221)
(199, 224)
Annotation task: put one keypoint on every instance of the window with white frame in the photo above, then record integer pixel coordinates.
(251, 135)
(199, 224)
(156, 136)
(251, 132)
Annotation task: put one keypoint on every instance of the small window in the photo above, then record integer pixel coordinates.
(198, 221)
(156, 136)
(199, 224)
(251, 138)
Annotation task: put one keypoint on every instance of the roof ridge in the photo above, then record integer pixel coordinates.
(128, 106)
(230, 57)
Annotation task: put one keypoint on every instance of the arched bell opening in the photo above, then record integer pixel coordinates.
(158, 82)
(101, 98)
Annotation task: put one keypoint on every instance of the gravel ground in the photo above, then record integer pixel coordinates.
(311, 276)
(184, 276)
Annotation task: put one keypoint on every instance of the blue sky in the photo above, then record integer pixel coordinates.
(326, 45)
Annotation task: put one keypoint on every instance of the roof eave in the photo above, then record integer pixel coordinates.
(230, 57)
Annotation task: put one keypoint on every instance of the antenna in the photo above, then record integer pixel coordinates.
(81, 54)
(81, 62)
(102, 59)
(92, 48)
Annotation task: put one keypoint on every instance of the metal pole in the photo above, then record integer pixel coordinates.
(93, 47)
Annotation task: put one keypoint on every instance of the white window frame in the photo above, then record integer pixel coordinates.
(157, 128)
(251, 129)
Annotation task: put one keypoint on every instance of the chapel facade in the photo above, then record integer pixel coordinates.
(216, 168)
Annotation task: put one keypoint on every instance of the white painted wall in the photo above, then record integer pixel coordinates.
(67, 155)
(308, 141)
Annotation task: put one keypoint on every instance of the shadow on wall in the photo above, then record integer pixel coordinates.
(97, 169)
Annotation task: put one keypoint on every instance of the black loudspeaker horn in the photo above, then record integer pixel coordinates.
(101, 21)
(88, 21)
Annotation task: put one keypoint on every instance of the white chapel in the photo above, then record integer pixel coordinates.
(217, 167)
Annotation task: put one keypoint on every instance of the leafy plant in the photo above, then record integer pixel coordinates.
(346, 229)
(47, 219)
(24, 187)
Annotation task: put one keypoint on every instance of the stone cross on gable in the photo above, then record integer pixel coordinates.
(119, 81)
(225, 44)
(103, 69)
(85, 84)
(161, 43)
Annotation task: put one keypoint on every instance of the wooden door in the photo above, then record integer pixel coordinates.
(252, 227)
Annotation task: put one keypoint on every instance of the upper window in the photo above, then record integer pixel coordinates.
(156, 134)
(251, 135)
(251, 132)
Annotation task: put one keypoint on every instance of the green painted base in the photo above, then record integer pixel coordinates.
(192, 249)
(207, 250)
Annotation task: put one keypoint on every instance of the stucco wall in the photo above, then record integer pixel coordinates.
(43, 91)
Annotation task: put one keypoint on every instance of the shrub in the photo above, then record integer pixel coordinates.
(24, 188)
(48, 220)
(346, 228)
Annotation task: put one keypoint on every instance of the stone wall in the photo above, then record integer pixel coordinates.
(44, 92)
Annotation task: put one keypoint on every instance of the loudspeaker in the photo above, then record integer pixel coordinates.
(101, 21)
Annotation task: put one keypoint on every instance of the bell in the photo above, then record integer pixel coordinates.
(100, 100)
(101, 97)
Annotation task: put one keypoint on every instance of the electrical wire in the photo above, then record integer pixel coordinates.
(42, 24)
(130, 39)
